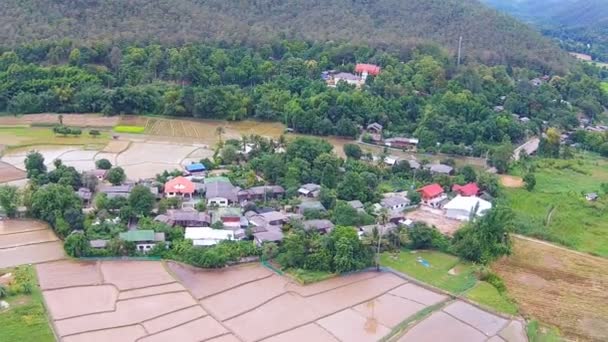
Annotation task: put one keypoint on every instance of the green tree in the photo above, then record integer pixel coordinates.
(352, 187)
(34, 164)
(141, 200)
(501, 156)
(349, 253)
(103, 164)
(469, 174)
(229, 154)
(116, 175)
(9, 200)
(487, 238)
(50, 202)
(77, 245)
(269, 251)
(530, 181)
(353, 151)
(94, 133)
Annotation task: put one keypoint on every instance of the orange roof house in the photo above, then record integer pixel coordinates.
(430, 191)
(370, 69)
(179, 186)
(467, 190)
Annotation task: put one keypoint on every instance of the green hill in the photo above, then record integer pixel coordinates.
(399, 24)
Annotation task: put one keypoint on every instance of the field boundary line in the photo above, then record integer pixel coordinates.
(29, 244)
(23, 231)
(550, 244)
(173, 327)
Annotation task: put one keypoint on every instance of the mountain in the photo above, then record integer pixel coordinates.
(399, 24)
(578, 25)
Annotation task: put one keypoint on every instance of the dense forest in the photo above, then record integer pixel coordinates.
(577, 25)
(426, 96)
(397, 25)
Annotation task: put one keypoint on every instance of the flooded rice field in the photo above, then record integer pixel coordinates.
(27, 242)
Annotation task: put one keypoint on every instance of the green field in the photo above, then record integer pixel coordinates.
(26, 319)
(129, 129)
(486, 294)
(437, 274)
(556, 210)
(605, 86)
(23, 136)
(309, 277)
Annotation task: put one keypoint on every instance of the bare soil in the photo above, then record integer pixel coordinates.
(79, 120)
(562, 288)
(9, 173)
(511, 181)
(445, 225)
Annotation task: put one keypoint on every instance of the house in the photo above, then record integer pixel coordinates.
(184, 218)
(230, 217)
(401, 142)
(144, 240)
(591, 196)
(414, 165)
(114, 191)
(440, 169)
(179, 187)
(195, 168)
(349, 78)
(261, 193)
(391, 160)
(205, 236)
(321, 226)
(98, 244)
(220, 192)
(310, 206)
(470, 189)
(85, 195)
(367, 69)
(98, 173)
(382, 228)
(374, 128)
(461, 207)
(395, 203)
(432, 195)
(310, 190)
(271, 235)
(536, 82)
(499, 109)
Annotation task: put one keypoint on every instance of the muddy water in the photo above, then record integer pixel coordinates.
(27, 242)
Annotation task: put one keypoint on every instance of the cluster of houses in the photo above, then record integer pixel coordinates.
(358, 78)
(465, 205)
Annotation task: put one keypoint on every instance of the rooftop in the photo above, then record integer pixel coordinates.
(142, 235)
(180, 185)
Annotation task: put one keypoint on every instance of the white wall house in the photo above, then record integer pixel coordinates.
(205, 236)
(460, 208)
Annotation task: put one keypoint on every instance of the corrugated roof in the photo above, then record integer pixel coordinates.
(138, 235)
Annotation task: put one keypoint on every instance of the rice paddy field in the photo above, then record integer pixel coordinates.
(556, 210)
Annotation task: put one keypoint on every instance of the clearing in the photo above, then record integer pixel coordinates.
(511, 181)
(24, 136)
(560, 190)
(563, 288)
(25, 319)
(156, 301)
(435, 217)
(27, 242)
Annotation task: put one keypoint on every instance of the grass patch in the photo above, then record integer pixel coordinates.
(22, 136)
(561, 185)
(129, 129)
(539, 333)
(26, 318)
(604, 86)
(437, 274)
(309, 277)
(486, 294)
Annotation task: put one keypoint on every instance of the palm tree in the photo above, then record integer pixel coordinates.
(381, 221)
(219, 131)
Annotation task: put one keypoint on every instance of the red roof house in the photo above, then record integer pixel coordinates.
(467, 190)
(370, 69)
(430, 191)
(179, 186)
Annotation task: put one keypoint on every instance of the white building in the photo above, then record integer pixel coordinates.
(461, 208)
(206, 236)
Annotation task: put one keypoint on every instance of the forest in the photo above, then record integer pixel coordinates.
(463, 109)
(394, 25)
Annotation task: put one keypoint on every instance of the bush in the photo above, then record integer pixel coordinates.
(129, 129)
(103, 164)
(424, 237)
(485, 274)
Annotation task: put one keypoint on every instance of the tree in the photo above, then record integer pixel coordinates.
(94, 133)
(219, 131)
(9, 200)
(487, 238)
(229, 154)
(424, 237)
(269, 251)
(352, 187)
(34, 164)
(116, 175)
(353, 151)
(501, 157)
(349, 253)
(89, 181)
(530, 181)
(77, 245)
(50, 202)
(141, 200)
(469, 174)
(414, 197)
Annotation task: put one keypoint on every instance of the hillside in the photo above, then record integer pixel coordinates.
(400, 24)
(578, 25)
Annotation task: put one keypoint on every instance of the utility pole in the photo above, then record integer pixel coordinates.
(459, 50)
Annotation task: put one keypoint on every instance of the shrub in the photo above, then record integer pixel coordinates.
(424, 237)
